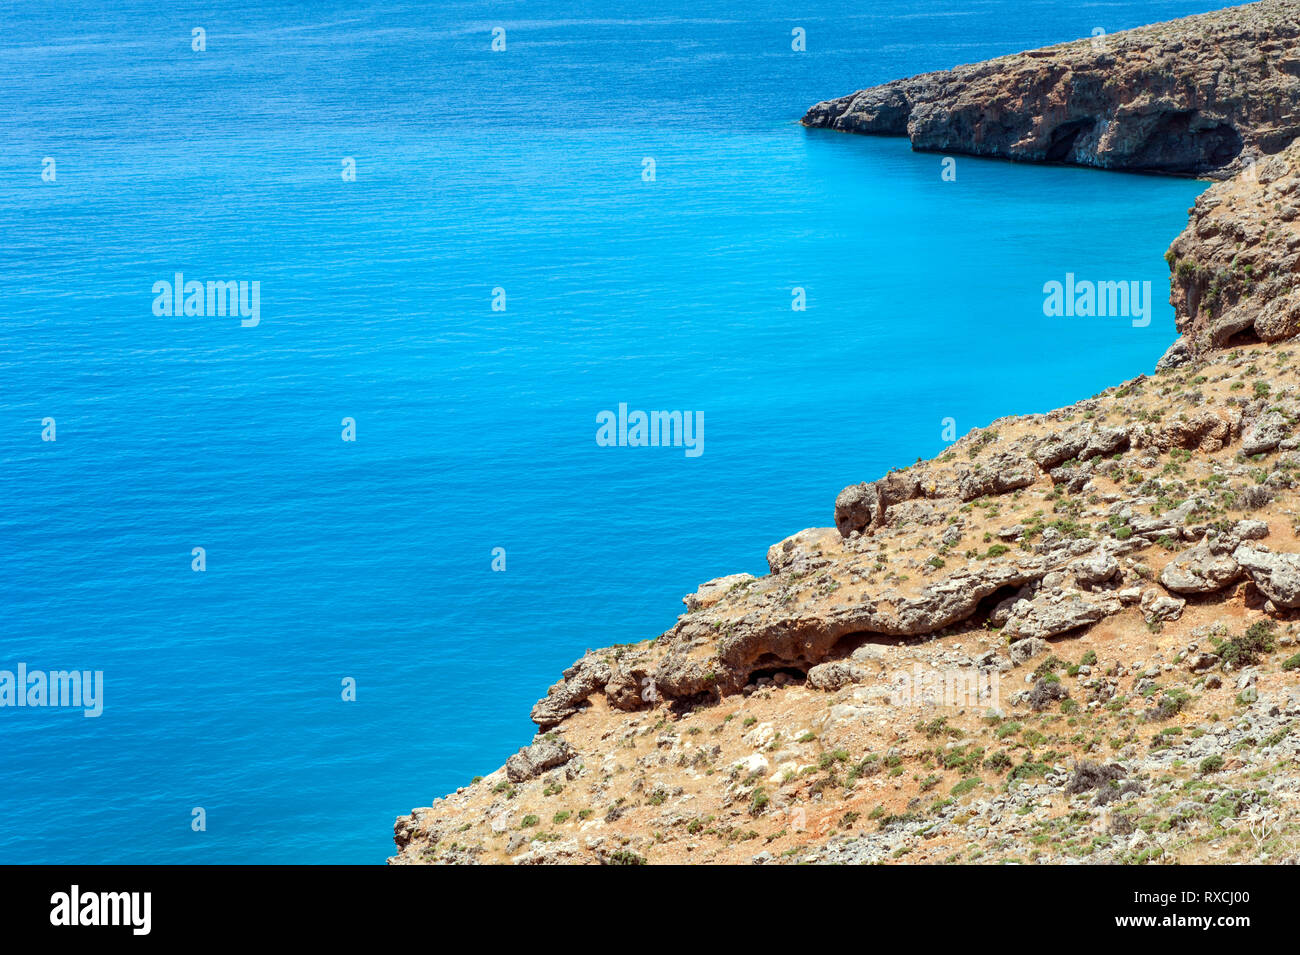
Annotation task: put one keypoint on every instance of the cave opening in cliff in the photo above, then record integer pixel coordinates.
(682, 705)
(984, 609)
(1061, 146)
(846, 644)
(793, 673)
(1246, 336)
(1177, 143)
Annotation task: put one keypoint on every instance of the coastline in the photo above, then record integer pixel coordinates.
(807, 647)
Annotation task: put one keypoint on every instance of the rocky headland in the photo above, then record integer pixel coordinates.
(1196, 96)
(1071, 636)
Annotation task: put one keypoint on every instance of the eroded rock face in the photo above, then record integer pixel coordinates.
(1191, 96)
(864, 508)
(531, 761)
(1276, 575)
(579, 681)
(1233, 269)
(1003, 473)
(857, 509)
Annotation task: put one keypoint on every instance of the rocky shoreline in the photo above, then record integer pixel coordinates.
(1195, 96)
(1111, 588)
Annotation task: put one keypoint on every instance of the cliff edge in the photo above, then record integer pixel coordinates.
(1197, 96)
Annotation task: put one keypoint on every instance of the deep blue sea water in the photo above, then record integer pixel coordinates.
(475, 170)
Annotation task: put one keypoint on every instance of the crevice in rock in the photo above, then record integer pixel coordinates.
(984, 609)
(1073, 633)
(681, 705)
(796, 674)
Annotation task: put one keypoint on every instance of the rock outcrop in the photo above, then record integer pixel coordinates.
(1197, 96)
(1234, 268)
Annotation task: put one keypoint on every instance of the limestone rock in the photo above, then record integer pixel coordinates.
(1265, 434)
(1055, 612)
(1001, 474)
(1181, 97)
(1098, 568)
(1276, 575)
(801, 552)
(1025, 650)
(1159, 607)
(531, 761)
(836, 675)
(710, 592)
(565, 697)
(1200, 571)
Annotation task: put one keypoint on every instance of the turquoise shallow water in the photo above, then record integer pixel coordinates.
(476, 170)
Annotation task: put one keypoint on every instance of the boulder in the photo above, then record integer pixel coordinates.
(1265, 433)
(531, 761)
(998, 475)
(566, 697)
(1198, 570)
(1057, 611)
(1159, 607)
(836, 675)
(1024, 650)
(1250, 530)
(858, 509)
(1276, 575)
(1097, 568)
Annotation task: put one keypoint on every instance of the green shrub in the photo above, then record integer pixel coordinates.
(1246, 649)
(624, 857)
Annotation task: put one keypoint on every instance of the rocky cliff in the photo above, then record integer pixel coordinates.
(1234, 267)
(1069, 636)
(1197, 96)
